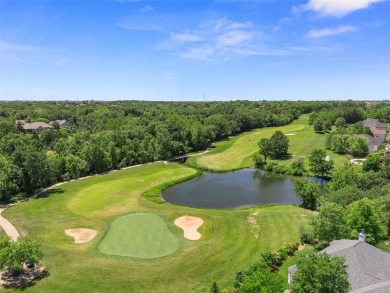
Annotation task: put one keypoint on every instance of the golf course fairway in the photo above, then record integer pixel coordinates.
(231, 239)
(237, 152)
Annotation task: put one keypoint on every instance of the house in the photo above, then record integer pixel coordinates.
(379, 134)
(35, 127)
(374, 143)
(62, 123)
(368, 267)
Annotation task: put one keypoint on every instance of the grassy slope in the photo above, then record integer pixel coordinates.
(237, 152)
(227, 242)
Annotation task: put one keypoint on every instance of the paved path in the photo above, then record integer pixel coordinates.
(9, 229)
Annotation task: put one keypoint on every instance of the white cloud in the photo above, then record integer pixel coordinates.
(185, 37)
(324, 32)
(7, 46)
(336, 8)
(147, 8)
(216, 38)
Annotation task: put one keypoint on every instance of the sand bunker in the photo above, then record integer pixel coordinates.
(190, 226)
(81, 235)
(289, 134)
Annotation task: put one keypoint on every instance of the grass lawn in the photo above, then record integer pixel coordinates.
(237, 152)
(228, 240)
(139, 235)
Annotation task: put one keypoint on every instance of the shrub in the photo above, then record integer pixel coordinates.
(306, 236)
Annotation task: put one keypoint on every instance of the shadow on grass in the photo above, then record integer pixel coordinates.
(25, 280)
(49, 192)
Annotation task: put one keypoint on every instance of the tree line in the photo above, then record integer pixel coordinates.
(103, 136)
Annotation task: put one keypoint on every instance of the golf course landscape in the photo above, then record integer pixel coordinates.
(138, 248)
(237, 152)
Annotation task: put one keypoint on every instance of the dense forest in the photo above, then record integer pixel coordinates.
(109, 135)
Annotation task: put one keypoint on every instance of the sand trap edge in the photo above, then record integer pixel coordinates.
(81, 235)
(190, 225)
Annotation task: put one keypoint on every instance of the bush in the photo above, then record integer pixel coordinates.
(306, 236)
(289, 248)
(282, 255)
(14, 254)
(259, 160)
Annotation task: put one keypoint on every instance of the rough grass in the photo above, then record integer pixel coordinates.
(227, 244)
(141, 235)
(237, 152)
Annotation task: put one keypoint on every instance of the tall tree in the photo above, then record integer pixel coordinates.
(318, 163)
(331, 223)
(280, 144)
(362, 214)
(308, 191)
(321, 273)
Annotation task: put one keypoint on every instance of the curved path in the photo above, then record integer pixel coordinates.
(9, 229)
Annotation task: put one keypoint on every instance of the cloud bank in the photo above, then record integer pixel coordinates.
(325, 32)
(337, 8)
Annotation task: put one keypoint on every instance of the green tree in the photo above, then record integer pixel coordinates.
(372, 162)
(265, 147)
(318, 125)
(298, 167)
(259, 279)
(340, 122)
(279, 143)
(215, 288)
(318, 163)
(321, 273)
(346, 175)
(358, 145)
(308, 191)
(362, 214)
(331, 223)
(14, 254)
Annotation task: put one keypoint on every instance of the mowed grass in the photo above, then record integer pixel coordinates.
(228, 243)
(237, 152)
(141, 235)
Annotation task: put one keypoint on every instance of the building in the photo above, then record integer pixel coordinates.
(379, 134)
(35, 127)
(368, 267)
(62, 123)
(374, 143)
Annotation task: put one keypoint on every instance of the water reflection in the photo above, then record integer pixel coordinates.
(233, 190)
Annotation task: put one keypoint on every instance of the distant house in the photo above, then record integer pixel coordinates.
(35, 127)
(379, 134)
(368, 267)
(62, 123)
(374, 143)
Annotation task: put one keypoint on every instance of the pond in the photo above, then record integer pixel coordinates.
(232, 190)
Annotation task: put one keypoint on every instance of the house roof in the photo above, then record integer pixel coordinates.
(370, 122)
(374, 123)
(378, 131)
(373, 141)
(36, 125)
(368, 267)
(61, 121)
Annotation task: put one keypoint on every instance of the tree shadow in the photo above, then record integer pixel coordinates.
(25, 280)
(49, 192)
(284, 157)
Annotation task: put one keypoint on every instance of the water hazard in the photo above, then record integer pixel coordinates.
(232, 190)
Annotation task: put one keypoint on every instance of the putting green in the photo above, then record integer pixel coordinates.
(139, 235)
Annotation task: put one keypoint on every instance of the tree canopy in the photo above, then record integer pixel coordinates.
(320, 273)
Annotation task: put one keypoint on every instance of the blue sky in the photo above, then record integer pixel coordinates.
(179, 50)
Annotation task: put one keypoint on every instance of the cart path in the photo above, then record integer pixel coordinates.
(9, 229)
